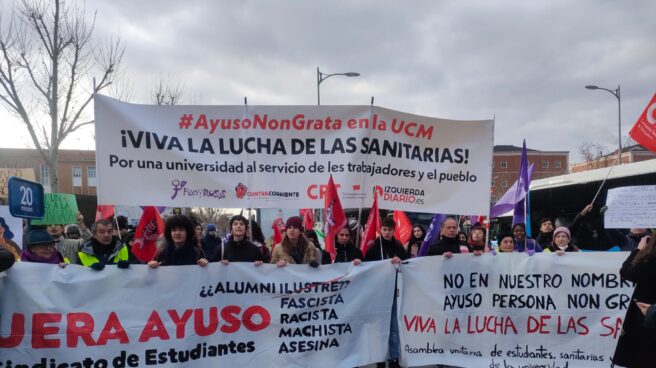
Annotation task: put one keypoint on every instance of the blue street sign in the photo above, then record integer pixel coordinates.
(26, 198)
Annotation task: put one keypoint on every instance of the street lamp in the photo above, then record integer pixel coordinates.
(322, 77)
(616, 93)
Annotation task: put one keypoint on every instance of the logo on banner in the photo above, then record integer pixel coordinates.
(180, 186)
(240, 190)
(651, 114)
(318, 191)
(400, 194)
(177, 185)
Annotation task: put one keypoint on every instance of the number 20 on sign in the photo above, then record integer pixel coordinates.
(26, 198)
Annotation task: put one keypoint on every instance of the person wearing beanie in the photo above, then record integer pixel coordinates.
(238, 248)
(562, 242)
(294, 247)
(546, 234)
(211, 242)
(41, 249)
(180, 246)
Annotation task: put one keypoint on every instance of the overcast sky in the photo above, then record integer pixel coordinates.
(525, 62)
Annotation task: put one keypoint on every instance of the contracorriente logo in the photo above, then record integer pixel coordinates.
(240, 190)
(177, 186)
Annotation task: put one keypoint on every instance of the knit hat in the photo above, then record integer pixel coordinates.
(39, 237)
(294, 221)
(562, 230)
(211, 227)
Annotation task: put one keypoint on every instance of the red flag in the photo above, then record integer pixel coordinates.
(403, 228)
(104, 212)
(308, 218)
(149, 229)
(644, 130)
(335, 217)
(372, 226)
(278, 226)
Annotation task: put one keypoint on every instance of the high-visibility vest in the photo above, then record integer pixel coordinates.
(88, 259)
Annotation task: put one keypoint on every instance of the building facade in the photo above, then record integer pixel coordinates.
(630, 154)
(76, 169)
(506, 161)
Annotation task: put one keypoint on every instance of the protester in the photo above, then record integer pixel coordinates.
(103, 248)
(346, 251)
(628, 241)
(417, 238)
(211, 241)
(8, 244)
(70, 246)
(635, 346)
(476, 241)
(322, 254)
(387, 244)
(522, 243)
(545, 235)
(462, 236)
(123, 228)
(7, 259)
(180, 244)
(387, 247)
(506, 243)
(448, 243)
(41, 249)
(198, 234)
(294, 248)
(238, 248)
(649, 311)
(562, 242)
(257, 238)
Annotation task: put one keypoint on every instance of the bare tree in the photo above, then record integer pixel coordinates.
(167, 91)
(595, 155)
(217, 216)
(47, 61)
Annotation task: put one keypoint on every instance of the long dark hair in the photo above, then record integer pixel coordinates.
(648, 253)
(302, 244)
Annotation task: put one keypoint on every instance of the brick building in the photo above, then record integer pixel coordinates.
(630, 154)
(505, 166)
(76, 168)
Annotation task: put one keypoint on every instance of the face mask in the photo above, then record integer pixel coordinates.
(563, 247)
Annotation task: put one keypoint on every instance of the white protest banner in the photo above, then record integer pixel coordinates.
(235, 315)
(282, 157)
(631, 207)
(12, 226)
(513, 310)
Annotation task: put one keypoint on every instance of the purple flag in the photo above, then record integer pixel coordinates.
(432, 233)
(507, 201)
(523, 183)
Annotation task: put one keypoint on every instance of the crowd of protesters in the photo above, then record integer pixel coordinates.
(109, 242)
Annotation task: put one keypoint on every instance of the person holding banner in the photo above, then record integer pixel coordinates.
(522, 243)
(294, 247)
(103, 248)
(562, 242)
(417, 238)
(238, 248)
(448, 243)
(180, 247)
(386, 246)
(506, 243)
(476, 240)
(6, 259)
(346, 251)
(41, 249)
(635, 346)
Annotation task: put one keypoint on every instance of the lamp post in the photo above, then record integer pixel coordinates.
(616, 93)
(322, 77)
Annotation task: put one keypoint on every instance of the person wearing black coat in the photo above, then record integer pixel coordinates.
(448, 243)
(238, 248)
(180, 248)
(345, 250)
(210, 241)
(635, 346)
(6, 259)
